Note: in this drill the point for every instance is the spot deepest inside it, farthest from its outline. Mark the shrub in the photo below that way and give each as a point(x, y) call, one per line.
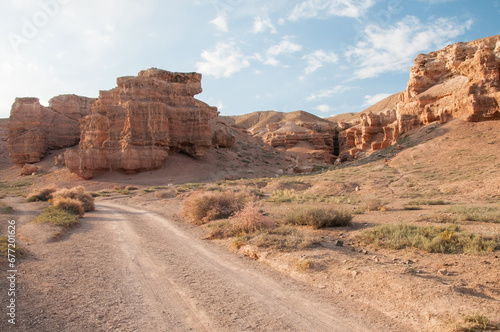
point(303, 265)
point(77, 193)
point(318, 217)
point(71, 205)
point(285, 238)
point(477, 213)
point(5, 209)
point(4, 249)
point(446, 240)
point(374, 204)
point(57, 216)
point(202, 206)
point(428, 202)
point(250, 219)
point(42, 195)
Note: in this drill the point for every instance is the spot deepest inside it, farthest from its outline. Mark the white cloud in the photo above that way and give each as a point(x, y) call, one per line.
point(225, 60)
point(394, 48)
point(261, 24)
point(327, 93)
point(220, 22)
point(372, 100)
point(325, 8)
point(284, 47)
point(323, 108)
point(317, 59)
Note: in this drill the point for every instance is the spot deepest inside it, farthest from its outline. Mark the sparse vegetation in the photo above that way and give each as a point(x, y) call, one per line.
point(427, 202)
point(76, 193)
point(303, 265)
point(202, 207)
point(4, 247)
point(42, 195)
point(475, 322)
point(57, 216)
point(283, 237)
point(477, 213)
point(446, 240)
point(70, 205)
point(318, 217)
point(374, 204)
point(5, 209)
point(250, 219)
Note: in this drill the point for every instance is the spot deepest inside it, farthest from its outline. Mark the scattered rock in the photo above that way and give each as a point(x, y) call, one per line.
point(339, 243)
point(29, 169)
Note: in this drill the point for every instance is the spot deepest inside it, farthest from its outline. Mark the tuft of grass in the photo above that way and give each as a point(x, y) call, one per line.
point(79, 194)
point(284, 196)
point(303, 265)
point(477, 213)
point(283, 238)
point(427, 202)
point(251, 219)
point(318, 217)
point(202, 207)
point(5, 209)
point(475, 322)
point(374, 204)
point(443, 218)
point(70, 205)
point(412, 207)
point(57, 216)
point(42, 195)
point(4, 249)
point(446, 240)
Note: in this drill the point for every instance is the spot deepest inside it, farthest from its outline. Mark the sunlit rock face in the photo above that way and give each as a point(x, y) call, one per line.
point(134, 126)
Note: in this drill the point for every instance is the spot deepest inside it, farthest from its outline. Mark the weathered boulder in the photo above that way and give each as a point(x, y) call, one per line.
point(223, 138)
point(34, 129)
point(29, 169)
point(134, 126)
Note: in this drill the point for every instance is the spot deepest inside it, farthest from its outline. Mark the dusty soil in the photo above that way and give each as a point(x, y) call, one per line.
point(128, 269)
point(134, 265)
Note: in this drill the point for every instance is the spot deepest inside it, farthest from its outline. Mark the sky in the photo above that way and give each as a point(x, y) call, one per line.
point(325, 57)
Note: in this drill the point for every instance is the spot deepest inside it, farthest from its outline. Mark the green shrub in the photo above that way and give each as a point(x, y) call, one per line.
point(318, 217)
point(57, 216)
point(446, 240)
point(202, 207)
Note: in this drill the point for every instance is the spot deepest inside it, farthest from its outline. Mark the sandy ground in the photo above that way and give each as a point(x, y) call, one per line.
point(127, 269)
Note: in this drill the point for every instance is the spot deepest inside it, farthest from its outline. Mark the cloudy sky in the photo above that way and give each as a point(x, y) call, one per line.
point(323, 56)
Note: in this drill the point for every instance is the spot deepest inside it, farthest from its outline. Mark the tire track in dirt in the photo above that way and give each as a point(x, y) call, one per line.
point(190, 286)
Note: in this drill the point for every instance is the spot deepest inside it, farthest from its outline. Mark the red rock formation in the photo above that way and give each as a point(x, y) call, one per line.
point(134, 126)
point(459, 81)
point(34, 129)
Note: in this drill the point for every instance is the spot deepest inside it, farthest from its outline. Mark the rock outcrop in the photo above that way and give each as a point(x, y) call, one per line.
point(299, 133)
point(459, 81)
point(34, 129)
point(134, 126)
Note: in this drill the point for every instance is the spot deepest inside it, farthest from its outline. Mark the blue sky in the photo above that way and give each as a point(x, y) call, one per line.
point(323, 56)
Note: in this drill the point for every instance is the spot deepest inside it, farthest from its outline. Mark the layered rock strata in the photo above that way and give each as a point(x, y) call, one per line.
point(34, 129)
point(134, 126)
point(459, 81)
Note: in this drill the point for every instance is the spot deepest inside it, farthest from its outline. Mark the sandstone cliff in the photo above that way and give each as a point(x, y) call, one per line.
point(459, 81)
point(34, 129)
point(297, 132)
point(134, 126)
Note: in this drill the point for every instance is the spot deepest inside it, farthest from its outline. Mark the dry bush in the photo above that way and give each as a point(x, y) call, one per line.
point(318, 217)
point(77, 193)
point(202, 207)
point(251, 219)
point(41, 195)
point(70, 205)
point(374, 204)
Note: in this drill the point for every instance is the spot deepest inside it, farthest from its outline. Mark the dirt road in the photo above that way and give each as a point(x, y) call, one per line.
point(126, 269)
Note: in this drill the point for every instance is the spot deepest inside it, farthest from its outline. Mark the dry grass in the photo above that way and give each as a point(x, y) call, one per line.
point(56, 216)
point(76, 193)
point(202, 207)
point(4, 249)
point(477, 213)
point(318, 217)
point(446, 240)
point(303, 265)
point(5, 209)
point(474, 322)
point(251, 219)
point(42, 195)
point(70, 205)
